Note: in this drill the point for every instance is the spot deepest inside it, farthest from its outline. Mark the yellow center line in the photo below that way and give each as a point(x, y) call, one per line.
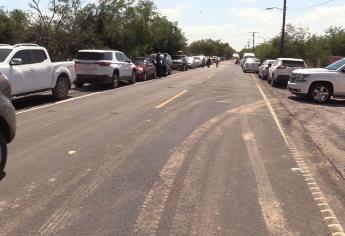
point(171, 99)
point(211, 76)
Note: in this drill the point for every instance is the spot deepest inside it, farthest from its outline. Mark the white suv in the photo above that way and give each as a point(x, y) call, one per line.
point(104, 66)
point(281, 70)
point(319, 84)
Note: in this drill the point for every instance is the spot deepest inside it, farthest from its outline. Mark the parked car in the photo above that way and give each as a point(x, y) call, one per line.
point(7, 119)
point(263, 69)
point(245, 57)
point(251, 65)
point(153, 56)
point(280, 72)
point(145, 68)
point(104, 67)
point(29, 70)
point(198, 61)
point(319, 84)
point(191, 63)
point(179, 62)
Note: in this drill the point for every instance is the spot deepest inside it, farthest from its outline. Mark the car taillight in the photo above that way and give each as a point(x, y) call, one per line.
point(104, 63)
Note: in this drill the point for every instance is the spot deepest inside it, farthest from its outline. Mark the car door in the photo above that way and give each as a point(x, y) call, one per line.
point(149, 67)
point(42, 70)
point(20, 74)
point(122, 65)
point(128, 65)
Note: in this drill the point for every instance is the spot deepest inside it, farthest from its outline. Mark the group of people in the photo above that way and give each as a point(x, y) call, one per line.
point(161, 64)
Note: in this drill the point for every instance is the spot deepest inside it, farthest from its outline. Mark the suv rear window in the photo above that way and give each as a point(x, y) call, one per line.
point(293, 63)
point(4, 54)
point(95, 56)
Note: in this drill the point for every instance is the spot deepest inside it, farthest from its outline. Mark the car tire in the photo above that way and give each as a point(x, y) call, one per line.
point(320, 93)
point(61, 89)
point(78, 84)
point(115, 81)
point(133, 78)
point(3, 153)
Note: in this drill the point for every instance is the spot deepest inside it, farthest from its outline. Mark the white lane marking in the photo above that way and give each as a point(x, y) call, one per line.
point(270, 206)
point(297, 156)
point(171, 99)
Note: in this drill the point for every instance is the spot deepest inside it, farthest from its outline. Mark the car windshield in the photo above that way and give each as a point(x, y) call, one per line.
point(4, 54)
point(336, 65)
point(94, 56)
point(291, 63)
point(139, 61)
point(247, 57)
point(177, 57)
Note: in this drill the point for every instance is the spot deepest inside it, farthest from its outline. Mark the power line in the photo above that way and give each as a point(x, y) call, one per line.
point(312, 6)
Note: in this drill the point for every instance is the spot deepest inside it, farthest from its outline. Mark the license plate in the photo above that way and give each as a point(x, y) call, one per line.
point(87, 67)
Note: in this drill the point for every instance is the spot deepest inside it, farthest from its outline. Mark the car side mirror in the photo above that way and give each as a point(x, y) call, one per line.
point(16, 62)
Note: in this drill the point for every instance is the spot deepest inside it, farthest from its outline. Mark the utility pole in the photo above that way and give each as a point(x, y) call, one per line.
point(248, 43)
point(253, 39)
point(283, 31)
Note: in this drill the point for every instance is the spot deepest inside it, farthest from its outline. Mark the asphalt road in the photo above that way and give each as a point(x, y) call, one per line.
point(205, 152)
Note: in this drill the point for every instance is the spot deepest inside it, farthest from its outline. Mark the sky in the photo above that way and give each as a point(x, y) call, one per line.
point(232, 20)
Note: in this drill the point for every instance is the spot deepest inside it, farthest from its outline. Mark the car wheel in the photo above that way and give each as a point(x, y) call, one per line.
point(78, 84)
point(115, 80)
point(320, 93)
point(3, 153)
point(133, 78)
point(61, 89)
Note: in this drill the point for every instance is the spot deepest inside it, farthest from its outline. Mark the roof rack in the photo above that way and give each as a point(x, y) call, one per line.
point(26, 44)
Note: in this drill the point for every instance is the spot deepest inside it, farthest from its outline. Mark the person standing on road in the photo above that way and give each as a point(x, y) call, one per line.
point(165, 64)
point(184, 62)
point(209, 62)
point(159, 65)
point(217, 63)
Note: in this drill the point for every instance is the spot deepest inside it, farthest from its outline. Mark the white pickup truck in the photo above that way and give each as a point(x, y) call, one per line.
point(29, 70)
point(319, 84)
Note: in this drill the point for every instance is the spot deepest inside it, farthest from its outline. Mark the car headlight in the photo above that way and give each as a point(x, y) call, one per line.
point(301, 78)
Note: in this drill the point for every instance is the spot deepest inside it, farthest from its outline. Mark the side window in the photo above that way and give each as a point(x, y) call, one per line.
point(125, 58)
point(108, 56)
point(24, 55)
point(119, 56)
point(38, 56)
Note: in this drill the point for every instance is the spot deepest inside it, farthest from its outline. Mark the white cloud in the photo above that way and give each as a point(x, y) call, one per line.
point(174, 14)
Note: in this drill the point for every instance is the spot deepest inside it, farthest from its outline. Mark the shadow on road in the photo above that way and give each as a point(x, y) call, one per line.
point(2, 175)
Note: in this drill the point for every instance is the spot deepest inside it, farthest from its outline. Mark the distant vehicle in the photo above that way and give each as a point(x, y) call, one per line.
point(245, 57)
point(104, 67)
point(198, 61)
point(7, 119)
point(29, 70)
point(251, 65)
point(263, 69)
point(179, 62)
point(153, 56)
point(319, 84)
point(215, 59)
point(280, 72)
point(191, 63)
point(145, 68)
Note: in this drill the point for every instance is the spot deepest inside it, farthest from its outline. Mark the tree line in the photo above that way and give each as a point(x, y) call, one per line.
point(134, 27)
point(316, 50)
point(211, 47)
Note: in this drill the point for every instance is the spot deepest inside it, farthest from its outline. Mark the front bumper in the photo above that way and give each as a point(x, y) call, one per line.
point(282, 79)
point(298, 88)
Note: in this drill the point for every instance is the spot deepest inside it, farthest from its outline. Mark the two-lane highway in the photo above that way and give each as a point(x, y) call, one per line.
point(206, 152)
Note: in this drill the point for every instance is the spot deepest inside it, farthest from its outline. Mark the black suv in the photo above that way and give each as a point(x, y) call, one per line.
point(7, 120)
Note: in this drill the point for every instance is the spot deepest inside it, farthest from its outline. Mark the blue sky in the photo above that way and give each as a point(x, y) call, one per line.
point(232, 20)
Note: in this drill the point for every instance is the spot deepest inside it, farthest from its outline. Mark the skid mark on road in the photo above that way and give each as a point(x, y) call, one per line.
point(335, 228)
point(155, 201)
point(270, 206)
point(190, 214)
